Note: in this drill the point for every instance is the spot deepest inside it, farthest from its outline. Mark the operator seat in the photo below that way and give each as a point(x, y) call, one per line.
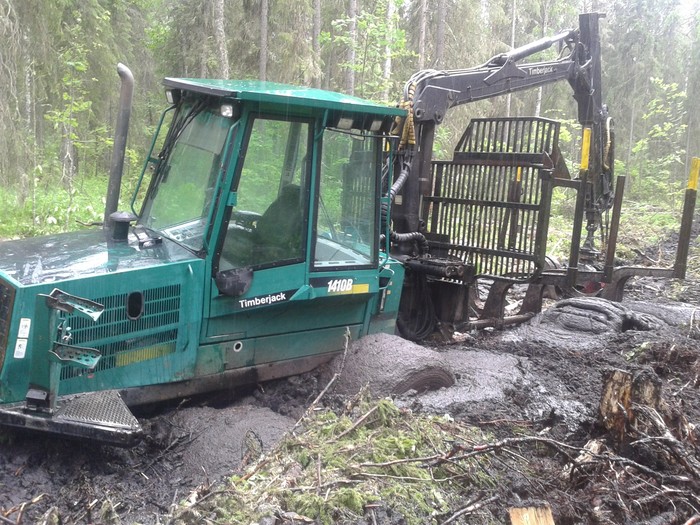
point(278, 233)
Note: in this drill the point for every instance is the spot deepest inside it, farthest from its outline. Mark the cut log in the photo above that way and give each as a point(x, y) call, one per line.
point(531, 516)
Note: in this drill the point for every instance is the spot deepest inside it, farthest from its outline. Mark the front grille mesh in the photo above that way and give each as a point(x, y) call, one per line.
point(123, 341)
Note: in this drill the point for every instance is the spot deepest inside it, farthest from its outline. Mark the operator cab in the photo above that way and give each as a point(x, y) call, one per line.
point(278, 188)
point(260, 175)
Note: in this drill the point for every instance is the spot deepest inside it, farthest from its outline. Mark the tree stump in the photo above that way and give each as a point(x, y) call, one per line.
point(623, 390)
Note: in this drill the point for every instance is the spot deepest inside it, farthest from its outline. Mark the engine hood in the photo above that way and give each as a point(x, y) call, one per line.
point(66, 256)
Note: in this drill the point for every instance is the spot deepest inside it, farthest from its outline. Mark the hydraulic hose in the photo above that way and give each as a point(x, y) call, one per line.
point(396, 187)
point(416, 319)
point(406, 132)
point(401, 179)
point(418, 237)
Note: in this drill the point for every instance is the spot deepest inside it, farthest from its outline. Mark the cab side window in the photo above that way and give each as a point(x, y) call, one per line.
point(268, 223)
point(347, 217)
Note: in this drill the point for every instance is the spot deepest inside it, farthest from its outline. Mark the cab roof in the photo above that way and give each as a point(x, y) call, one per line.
point(284, 94)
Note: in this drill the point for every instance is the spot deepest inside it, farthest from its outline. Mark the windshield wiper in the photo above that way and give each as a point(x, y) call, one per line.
point(171, 138)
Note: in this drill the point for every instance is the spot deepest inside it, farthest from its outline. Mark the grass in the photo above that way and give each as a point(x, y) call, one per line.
point(45, 210)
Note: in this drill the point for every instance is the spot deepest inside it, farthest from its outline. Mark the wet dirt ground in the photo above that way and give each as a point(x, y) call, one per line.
point(545, 376)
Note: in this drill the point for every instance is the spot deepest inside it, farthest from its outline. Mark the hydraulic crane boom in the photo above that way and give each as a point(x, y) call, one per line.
point(429, 94)
point(438, 91)
point(578, 62)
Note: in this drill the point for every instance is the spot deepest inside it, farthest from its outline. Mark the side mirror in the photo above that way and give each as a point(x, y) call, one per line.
point(234, 282)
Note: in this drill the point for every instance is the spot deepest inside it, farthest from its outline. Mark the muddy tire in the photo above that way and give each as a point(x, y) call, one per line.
point(594, 315)
point(583, 323)
point(432, 378)
point(390, 365)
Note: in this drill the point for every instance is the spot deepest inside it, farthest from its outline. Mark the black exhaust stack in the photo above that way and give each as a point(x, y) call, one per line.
point(118, 152)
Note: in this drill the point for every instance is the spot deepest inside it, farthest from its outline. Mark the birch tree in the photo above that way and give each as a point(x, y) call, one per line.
point(351, 51)
point(221, 42)
point(262, 65)
point(316, 44)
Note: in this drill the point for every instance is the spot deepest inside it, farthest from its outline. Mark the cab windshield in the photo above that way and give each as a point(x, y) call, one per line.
point(179, 201)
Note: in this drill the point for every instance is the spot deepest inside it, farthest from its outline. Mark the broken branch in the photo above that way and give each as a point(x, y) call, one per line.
point(471, 507)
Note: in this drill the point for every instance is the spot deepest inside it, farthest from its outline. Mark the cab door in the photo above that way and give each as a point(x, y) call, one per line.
point(297, 260)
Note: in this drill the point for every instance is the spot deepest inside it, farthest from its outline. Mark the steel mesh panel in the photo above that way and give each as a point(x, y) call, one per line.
point(514, 135)
point(488, 202)
point(105, 408)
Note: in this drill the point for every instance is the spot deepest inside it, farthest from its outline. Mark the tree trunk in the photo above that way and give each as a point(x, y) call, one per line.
point(316, 44)
point(28, 116)
point(352, 33)
point(622, 393)
point(10, 64)
point(387, 51)
point(440, 37)
point(262, 65)
point(68, 168)
point(512, 46)
point(630, 140)
point(423, 21)
point(207, 16)
point(538, 100)
point(220, 33)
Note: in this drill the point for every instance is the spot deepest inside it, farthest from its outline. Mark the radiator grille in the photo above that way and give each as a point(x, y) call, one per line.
point(123, 341)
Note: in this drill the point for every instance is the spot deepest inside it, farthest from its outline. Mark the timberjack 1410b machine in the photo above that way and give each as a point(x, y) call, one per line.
point(263, 233)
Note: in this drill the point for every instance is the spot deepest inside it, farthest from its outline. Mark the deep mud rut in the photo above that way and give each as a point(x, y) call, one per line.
point(544, 377)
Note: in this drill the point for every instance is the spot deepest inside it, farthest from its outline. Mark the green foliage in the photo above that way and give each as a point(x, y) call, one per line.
point(70, 117)
point(371, 454)
point(559, 237)
point(662, 179)
point(43, 212)
point(60, 87)
point(378, 36)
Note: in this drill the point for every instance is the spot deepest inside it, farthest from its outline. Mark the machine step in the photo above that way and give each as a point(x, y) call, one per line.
point(101, 416)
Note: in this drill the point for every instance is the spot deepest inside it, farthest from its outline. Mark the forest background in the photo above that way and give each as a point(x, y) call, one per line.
point(59, 88)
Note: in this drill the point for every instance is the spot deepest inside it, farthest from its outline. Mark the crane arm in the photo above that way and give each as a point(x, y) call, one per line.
point(435, 92)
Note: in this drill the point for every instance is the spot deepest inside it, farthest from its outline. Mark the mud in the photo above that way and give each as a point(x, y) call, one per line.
point(545, 377)
point(388, 365)
point(186, 447)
